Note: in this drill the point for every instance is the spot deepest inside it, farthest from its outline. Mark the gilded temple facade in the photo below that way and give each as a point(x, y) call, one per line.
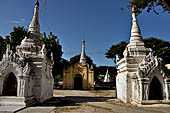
point(79, 76)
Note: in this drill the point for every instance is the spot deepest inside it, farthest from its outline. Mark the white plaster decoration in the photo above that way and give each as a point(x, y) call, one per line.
point(148, 64)
point(83, 54)
point(35, 26)
point(107, 77)
point(27, 66)
point(43, 51)
point(135, 31)
point(21, 87)
point(26, 70)
point(137, 69)
point(136, 38)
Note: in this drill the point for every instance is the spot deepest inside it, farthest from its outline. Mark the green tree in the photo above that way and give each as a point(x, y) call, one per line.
point(14, 39)
point(150, 5)
point(160, 48)
point(16, 36)
point(65, 63)
point(2, 47)
point(53, 46)
point(116, 50)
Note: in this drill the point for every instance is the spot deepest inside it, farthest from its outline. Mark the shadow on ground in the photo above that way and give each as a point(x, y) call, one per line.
point(72, 101)
point(72, 98)
point(69, 101)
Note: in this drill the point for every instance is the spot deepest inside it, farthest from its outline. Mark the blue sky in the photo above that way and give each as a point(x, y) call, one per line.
point(102, 22)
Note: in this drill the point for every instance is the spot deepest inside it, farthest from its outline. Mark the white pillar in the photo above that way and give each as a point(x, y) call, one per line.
point(1, 84)
point(167, 89)
point(21, 87)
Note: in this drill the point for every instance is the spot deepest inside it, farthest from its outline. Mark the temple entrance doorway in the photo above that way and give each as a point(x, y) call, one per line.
point(78, 82)
point(155, 90)
point(10, 85)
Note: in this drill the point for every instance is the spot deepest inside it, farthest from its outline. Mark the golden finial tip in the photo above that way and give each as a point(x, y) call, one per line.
point(133, 10)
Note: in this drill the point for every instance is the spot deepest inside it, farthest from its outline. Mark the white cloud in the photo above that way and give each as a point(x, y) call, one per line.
point(17, 21)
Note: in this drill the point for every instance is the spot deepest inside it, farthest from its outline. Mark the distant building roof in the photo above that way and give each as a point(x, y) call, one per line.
point(168, 66)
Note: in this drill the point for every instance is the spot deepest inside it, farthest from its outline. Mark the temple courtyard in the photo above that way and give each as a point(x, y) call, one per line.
point(94, 101)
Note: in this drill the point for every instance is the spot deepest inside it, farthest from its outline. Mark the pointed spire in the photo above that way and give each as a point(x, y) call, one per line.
point(135, 31)
point(107, 72)
point(32, 45)
point(83, 54)
point(107, 77)
point(34, 25)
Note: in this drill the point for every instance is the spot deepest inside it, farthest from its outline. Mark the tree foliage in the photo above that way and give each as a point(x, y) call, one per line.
point(53, 46)
point(65, 63)
point(16, 36)
point(14, 39)
point(2, 47)
point(116, 50)
point(160, 48)
point(150, 5)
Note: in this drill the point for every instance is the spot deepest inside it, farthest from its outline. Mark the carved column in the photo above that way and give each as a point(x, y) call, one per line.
point(1, 84)
point(167, 89)
point(140, 93)
point(145, 88)
point(21, 87)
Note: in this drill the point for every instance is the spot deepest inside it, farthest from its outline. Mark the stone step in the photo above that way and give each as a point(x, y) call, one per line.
point(147, 102)
point(10, 109)
point(38, 64)
point(12, 101)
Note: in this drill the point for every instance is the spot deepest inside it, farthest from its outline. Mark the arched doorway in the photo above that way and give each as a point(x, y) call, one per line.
point(10, 85)
point(155, 90)
point(78, 82)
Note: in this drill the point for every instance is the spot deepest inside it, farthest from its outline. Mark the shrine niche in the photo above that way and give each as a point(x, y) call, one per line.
point(78, 82)
point(10, 85)
point(155, 90)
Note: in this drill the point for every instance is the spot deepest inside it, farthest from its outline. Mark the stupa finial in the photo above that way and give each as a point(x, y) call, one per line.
point(135, 31)
point(34, 25)
point(83, 54)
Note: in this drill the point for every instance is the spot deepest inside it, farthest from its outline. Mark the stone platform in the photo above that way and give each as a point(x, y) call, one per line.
point(153, 103)
point(11, 103)
point(9, 109)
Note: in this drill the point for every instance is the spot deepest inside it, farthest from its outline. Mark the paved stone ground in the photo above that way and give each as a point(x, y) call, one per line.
point(71, 101)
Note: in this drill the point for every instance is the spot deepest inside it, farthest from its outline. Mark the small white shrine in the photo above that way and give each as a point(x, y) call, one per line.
point(142, 78)
point(107, 77)
point(26, 75)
